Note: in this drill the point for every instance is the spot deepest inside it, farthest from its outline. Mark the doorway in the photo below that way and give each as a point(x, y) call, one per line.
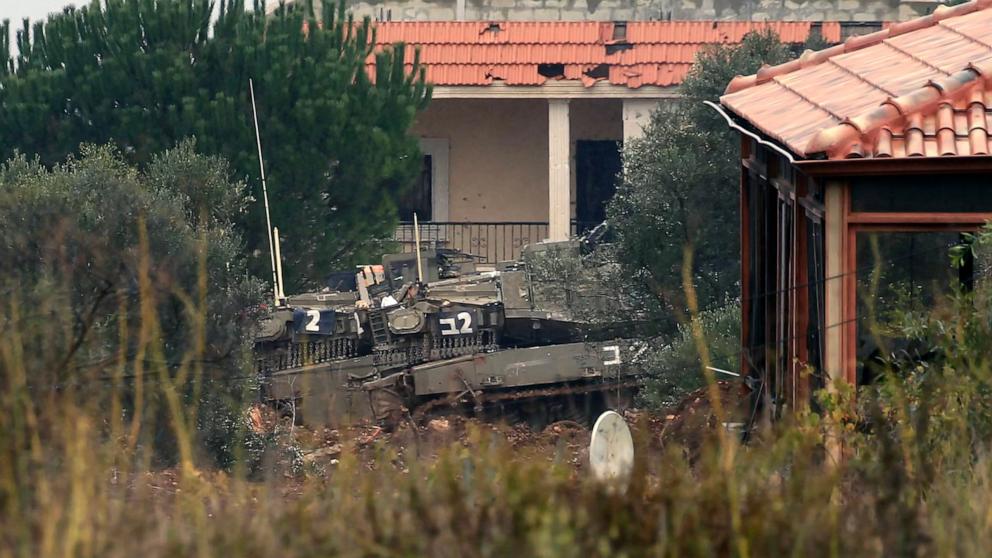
point(597, 165)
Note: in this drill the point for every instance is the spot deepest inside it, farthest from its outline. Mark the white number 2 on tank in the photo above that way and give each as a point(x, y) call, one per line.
point(313, 320)
point(459, 325)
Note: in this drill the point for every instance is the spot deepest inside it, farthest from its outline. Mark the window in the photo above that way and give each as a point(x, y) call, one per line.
point(925, 193)
point(900, 274)
point(428, 197)
point(783, 284)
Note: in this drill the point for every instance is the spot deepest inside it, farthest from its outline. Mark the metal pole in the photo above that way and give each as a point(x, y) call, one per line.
point(721, 371)
point(280, 295)
point(265, 196)
point(416, 241)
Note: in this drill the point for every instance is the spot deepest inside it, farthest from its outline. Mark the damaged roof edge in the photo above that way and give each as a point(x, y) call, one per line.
point(635, 54)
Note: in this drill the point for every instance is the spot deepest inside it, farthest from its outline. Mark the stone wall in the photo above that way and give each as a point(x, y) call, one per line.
point(633, 10)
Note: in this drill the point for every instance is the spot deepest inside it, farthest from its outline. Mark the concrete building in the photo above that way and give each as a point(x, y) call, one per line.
point(522, 140)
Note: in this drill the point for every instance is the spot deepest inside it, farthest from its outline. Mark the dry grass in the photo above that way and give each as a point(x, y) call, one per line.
point(82, 474)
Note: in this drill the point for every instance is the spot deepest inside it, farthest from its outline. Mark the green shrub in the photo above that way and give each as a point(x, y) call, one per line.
point(126, 280)
point(675, 368)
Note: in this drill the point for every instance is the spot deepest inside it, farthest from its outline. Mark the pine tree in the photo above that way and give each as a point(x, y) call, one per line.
point(146, 74)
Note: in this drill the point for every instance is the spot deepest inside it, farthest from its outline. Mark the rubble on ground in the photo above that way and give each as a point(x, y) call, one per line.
point(563, 442)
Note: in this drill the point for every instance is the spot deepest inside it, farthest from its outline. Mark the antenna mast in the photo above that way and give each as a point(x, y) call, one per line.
point(416, 240)
point(276, 287)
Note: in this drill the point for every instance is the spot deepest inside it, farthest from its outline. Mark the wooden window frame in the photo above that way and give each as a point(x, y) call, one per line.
point(784, 298)
point(857, 222)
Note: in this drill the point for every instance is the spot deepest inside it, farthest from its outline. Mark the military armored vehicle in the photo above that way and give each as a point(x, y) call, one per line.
point(433, 332)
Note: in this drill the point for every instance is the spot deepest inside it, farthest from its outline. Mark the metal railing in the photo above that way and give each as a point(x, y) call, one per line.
point(491, 242)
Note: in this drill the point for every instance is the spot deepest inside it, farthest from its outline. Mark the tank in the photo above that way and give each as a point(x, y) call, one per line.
point(416, 336)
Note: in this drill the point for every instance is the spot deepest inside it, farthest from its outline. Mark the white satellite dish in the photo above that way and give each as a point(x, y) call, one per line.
point(611, 450)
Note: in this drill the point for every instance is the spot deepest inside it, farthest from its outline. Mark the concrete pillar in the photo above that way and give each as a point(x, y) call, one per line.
point(559, 173)
point(460, 10)
point(636, 116)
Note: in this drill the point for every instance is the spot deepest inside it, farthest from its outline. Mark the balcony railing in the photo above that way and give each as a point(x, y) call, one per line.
point(491, 242)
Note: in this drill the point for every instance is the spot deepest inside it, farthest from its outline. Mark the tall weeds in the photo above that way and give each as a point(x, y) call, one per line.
point(103, 450)
point(77, 478)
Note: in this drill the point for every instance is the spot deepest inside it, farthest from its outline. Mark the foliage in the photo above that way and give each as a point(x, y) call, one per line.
point(674, 215)
point(575, 280)
point(145, 75)
point(914, 477)
point(816, 41)
point(678, 195)
point(944, 385)
point(676, 368)
point(716, 65)
point(676, 200)
point(116, 277)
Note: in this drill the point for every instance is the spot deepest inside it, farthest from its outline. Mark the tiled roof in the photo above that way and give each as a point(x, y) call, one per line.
point(921, 88)
point(635, 54)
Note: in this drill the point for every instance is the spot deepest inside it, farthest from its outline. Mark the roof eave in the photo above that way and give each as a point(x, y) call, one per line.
point(839, 168)
point(555, 89)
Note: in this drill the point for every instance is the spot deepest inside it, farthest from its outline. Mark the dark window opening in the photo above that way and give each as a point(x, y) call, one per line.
point(923, 193)
point(815, 289)
point(784, 290)
point(784, 298)
point(551, 70)
point(419, 198)
point(620, 31)
point(850, 29)
point(761, 252)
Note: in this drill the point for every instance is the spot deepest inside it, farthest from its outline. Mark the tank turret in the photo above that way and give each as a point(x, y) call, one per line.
point(399, 341)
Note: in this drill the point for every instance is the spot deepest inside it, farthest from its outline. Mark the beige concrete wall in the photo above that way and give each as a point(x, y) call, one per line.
point(633, 10)
point(498, 157)
point(498, 152)
point(597, 119)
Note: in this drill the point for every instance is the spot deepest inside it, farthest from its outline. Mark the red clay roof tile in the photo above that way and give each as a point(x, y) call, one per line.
point(921, 88)
point(657, 53)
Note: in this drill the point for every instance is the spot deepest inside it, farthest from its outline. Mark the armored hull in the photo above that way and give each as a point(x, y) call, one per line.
point(406, 343)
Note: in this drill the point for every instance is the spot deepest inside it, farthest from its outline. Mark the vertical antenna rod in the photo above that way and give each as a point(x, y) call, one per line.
point(280, 295)
point(265, 195)
point(416, 240)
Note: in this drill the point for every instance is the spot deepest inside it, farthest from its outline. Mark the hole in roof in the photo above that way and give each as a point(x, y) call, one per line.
point(618, 47)
point(852, 28)
point(602, 71)
point(619, 30)
point(551, 70)
point(493, 27)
